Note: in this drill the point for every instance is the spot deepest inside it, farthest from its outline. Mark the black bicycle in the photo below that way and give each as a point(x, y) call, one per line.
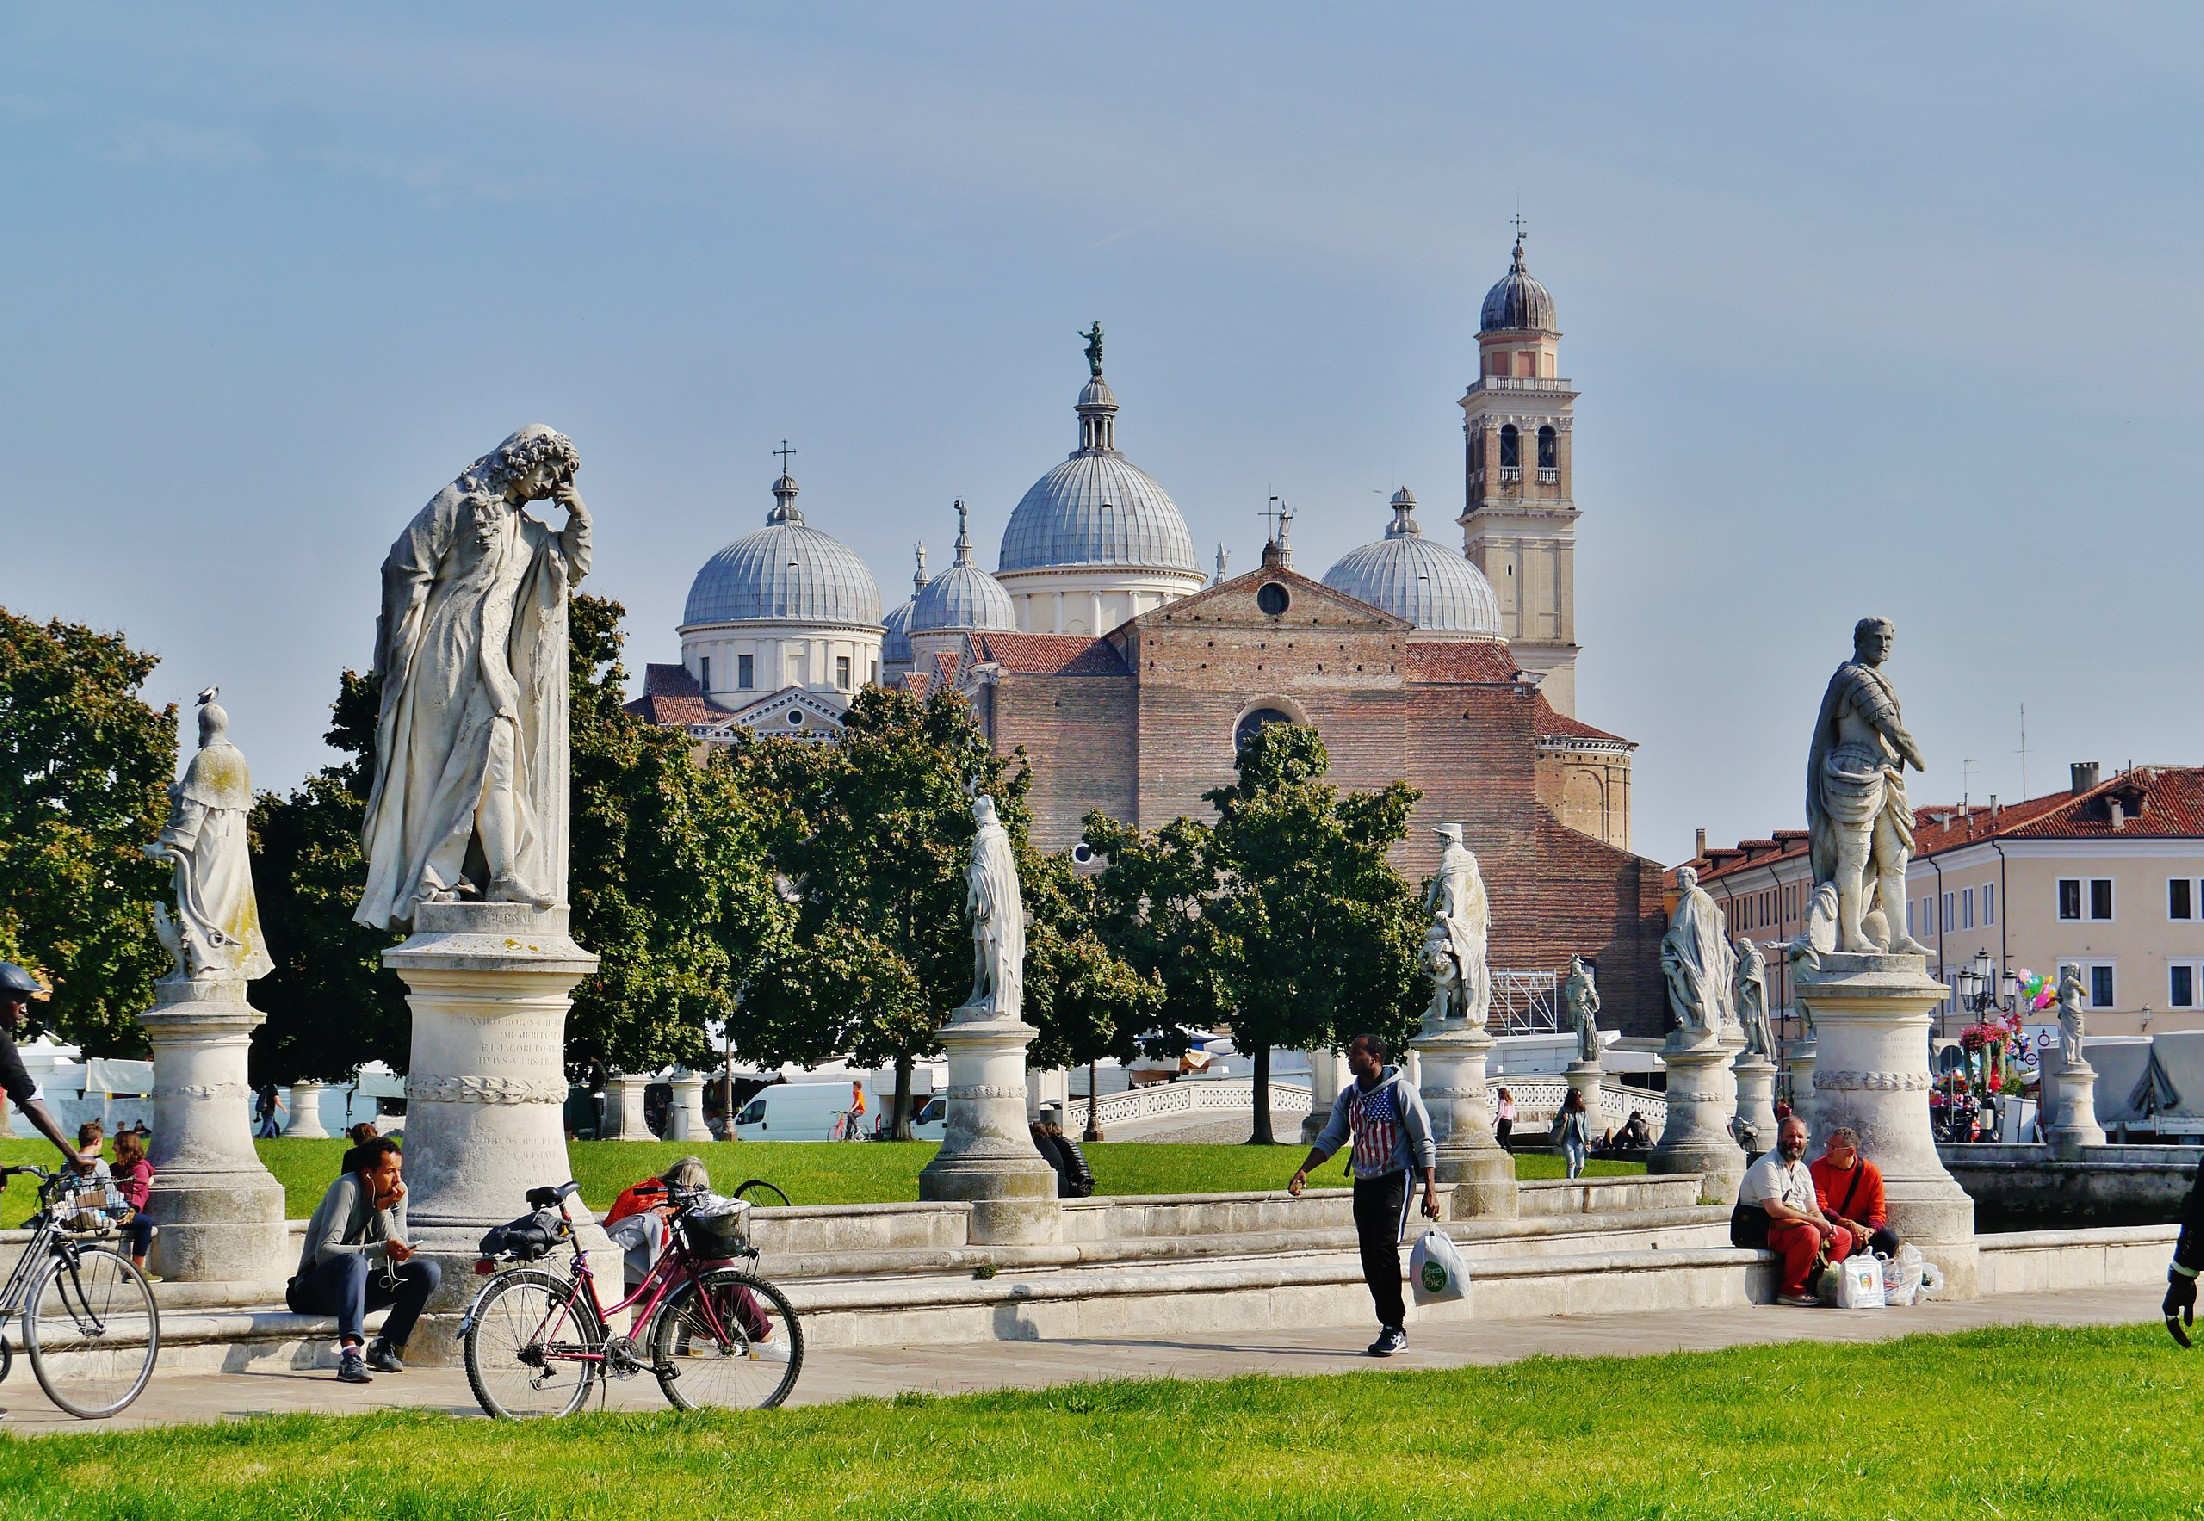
point(90, 1327)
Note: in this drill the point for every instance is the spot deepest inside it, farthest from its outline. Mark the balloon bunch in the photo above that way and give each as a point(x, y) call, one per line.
point(2037, 992)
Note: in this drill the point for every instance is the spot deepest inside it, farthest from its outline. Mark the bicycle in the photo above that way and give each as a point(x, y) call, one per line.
point(90, 1327)
point(538, 1342)
point(760, 1189)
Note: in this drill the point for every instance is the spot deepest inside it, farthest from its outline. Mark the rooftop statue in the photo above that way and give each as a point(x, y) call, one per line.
point(216, 928)
point(1580, 998)
point(1697, 960)
point(1856, 813)
point(1461, 928)
point(1752, 999)
point(998, 919)
point(1093, 335)
point(471, 744)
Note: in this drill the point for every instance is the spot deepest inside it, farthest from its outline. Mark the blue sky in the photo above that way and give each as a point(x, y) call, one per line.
point(1891, 310)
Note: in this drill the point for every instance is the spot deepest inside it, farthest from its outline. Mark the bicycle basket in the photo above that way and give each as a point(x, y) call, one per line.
point(530, 1238)
point(717, 1227)
point(90, 1207)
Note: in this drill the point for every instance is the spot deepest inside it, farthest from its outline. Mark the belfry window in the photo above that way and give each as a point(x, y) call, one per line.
point(1546, 448)
point(1511, 448)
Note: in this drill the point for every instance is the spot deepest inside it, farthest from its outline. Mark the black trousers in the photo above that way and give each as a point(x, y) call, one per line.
point(349, 1286)
point(1381, 1214)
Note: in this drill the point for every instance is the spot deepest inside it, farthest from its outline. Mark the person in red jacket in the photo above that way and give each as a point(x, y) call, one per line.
point(134, 1180)
point(1849, 1189)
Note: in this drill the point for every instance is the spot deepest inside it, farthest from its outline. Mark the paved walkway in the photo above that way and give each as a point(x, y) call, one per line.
point(842, 1373)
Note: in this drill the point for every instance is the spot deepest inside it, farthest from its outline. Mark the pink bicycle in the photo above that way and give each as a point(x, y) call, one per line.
point(715, 1335)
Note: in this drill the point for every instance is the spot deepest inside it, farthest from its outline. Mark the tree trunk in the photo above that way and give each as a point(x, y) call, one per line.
point(1262, 1135)
point(902, 1130)
point(1094, 1111)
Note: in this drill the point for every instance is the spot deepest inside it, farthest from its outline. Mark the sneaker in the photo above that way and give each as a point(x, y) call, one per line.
point(352, 1368)
point(1799, 1301)
point(383, 1357)
point(775, 1351)
point(1390, 1340)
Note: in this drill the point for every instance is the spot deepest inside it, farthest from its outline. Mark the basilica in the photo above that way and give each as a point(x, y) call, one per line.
point(1128, 678)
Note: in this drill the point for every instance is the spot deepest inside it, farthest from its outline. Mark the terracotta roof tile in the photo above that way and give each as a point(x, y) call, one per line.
point(672, 699)
point(1050, 654)
point(1472, 661)
point(1549, 724)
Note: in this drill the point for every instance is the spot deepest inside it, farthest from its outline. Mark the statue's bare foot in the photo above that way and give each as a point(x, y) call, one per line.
point(1903, 946)
point(511, 889)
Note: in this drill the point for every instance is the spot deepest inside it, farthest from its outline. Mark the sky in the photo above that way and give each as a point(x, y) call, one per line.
point(1887, 309)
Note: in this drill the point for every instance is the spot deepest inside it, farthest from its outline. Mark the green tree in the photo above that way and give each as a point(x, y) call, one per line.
point(1088, 1002)
point(85, 764)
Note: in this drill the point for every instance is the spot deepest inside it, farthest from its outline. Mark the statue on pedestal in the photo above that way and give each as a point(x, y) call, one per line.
point(1861, 829)
point(2070, 1016)
point(1580, 1000)
point(471, 745)
point(998, 919)
point(1697, 961)
point(1461, 928)
point(1752, 999)
point(215, 931)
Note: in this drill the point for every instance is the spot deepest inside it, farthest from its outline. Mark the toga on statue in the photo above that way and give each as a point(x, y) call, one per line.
point(1752, 999)
point(1856, 813)
point(1697, 960)
point(471, 744)
point(1580, 997)
point(216, 928)
point(998, 919)
point(1461, 916)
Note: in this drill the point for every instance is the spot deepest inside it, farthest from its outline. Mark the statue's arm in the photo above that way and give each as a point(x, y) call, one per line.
point(181, 832)
point(574, 539)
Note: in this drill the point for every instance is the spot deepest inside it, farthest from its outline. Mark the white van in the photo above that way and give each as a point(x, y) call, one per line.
point(797, 1112)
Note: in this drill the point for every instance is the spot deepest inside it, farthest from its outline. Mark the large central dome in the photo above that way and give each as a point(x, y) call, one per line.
point(786, 572)
point(1097, 507)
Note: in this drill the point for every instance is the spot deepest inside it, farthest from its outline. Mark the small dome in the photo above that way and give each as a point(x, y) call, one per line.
point(963, 596)
point(786, 572)
point(1518, 302)
point(1407, 575)
point(1097, 507)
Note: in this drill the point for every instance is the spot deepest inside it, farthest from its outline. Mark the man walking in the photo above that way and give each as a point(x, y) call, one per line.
point(1385, 1116)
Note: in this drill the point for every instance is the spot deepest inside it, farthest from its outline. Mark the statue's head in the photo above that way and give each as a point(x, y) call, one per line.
point(1871, 639)
point(1745, 947)
point(214, 724)
point(983, 809)
point(538, 459)
point(1451, 833)
point(1578, 966)
point(1686, 879)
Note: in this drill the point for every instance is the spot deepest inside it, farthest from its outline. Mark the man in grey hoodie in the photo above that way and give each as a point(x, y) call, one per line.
point(1385, 1116)
point(357, 1259)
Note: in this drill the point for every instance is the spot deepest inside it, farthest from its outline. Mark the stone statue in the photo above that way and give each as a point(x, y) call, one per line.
point(998, 919)
point(1752, 999)
point(471, 745)
point(1697, 960)
point(1856, 813)
point(2070, 1016)
point(1580, 997)
point(216, 928)
point(1093, 335)
point(1462, 915)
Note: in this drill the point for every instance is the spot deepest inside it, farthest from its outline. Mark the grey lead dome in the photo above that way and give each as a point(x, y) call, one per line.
point(1097, 507)
point(1410, 577)
point(786, 572)
point(1518, 303)
point(963, 596)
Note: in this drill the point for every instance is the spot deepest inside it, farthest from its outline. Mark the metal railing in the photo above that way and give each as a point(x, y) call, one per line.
point(1538, 1100)
point(1232, 1095)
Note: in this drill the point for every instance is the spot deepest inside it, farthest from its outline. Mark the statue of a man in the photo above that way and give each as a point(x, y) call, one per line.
point(2070, 1015)
point(471, 745)
point(998, 918)
point(1856, 813)
point(1460, 908)
point(216, 928)
point(1093, 335)
point(1752, 999)
point(1697, 960)
point(1580, 997)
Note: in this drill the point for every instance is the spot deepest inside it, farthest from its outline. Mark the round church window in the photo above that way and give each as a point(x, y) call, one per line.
point(1273, 598)
point(1261, 718)
point(795, 718)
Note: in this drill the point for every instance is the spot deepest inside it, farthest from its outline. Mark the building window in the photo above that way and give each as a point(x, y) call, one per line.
point(1989, 904)
point(2100, 898)
point(841, 672)
point(2181, 984)
point(746, 667)
point(1966, 908)
point(2070, 898)
point(1547, 453)
point(1945, 923)
point(2100, 986)
point(2180, 898)
point(1910, 931)
point(1273, 598)
point(875, 678)
point(1511, 448)
point(1254, 723)
point(704, 674)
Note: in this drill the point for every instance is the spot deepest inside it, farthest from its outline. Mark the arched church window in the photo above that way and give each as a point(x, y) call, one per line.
point(1254, 723)
point(1273, 598)
point(1546, 447)
point(1511, 448)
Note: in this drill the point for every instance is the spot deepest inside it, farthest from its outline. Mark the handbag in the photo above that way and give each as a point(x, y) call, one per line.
point(1748, 1226)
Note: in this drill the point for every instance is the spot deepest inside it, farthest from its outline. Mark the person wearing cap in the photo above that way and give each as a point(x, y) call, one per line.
point(17, 989)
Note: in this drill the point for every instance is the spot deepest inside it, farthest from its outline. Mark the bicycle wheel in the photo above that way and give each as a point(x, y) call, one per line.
point(533, 1346)
point(91, 1331)
point(765, 1193)
point(705, 1355)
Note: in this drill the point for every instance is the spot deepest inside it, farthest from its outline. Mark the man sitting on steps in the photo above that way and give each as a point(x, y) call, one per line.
point(357, 1259)
point(1797, 1229)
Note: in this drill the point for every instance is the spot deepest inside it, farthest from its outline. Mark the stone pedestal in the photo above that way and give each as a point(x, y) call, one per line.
point(987, 1156)
point(1733, 1046)
point(685, 1119)
point(306, 1122)
point(2074, 1122)
point(1871, 1017)
point(220, 1212)
point(1697, 1137)
point(1453, 1056)
point(1324, 1081)
point(1755, 1079)
point(1583, 1078)
point(486, 1087)
point(624, 1119)
point(1798, 1061)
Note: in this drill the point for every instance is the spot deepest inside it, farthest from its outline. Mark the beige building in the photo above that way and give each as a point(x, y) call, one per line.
point(2107, 877)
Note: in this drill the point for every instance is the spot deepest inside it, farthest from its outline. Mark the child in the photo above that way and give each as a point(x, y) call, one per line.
point(134, 1177)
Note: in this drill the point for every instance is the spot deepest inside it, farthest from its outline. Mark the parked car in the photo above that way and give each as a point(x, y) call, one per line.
point(930, 1123)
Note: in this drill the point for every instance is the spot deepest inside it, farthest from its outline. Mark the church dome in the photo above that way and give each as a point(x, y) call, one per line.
point(1407, 575)
point(1518, 302)
point(786, 572)
point(1097, 507)
point(963, 596)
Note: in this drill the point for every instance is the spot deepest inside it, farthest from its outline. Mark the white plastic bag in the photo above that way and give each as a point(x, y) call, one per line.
point(1932, 1280)
point(1902, 1276)
point(1436, 1270)
point(1860, 1284)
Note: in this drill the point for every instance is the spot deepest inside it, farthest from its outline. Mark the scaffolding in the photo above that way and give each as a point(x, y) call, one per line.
point(1524, 1003)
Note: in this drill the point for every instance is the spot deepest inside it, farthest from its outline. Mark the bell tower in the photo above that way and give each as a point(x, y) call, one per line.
point(1519, 515)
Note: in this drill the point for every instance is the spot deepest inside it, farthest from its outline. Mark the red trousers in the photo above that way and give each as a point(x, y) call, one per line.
point(1798, 1243)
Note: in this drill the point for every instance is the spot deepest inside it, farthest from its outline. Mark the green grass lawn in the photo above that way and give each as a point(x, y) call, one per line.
point(1999, 1424)
point(818, 1172)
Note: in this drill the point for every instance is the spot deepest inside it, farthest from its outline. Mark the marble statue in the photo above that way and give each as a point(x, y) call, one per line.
point(1697, 960)
point(471, 744)
point(1580, 998)
point(1856, 813)
point(1752, 999)
point(215, 931)
point(2070, 1016)
point(1093, 335)
point(1461, 914)
point(998, 918)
